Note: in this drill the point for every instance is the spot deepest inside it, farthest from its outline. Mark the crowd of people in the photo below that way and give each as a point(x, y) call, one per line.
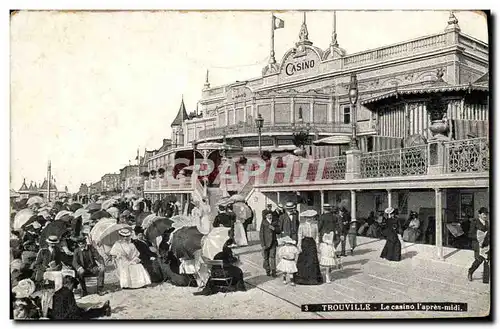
point(57, 246)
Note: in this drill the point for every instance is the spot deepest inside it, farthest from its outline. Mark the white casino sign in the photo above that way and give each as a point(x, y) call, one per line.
point(305, 64)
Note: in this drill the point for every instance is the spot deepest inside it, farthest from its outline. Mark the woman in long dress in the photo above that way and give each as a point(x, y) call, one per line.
point(126, 257)
point(205, 210)
point(412, 232)
point(240, 237)
point(392, 248)
point(308, 271)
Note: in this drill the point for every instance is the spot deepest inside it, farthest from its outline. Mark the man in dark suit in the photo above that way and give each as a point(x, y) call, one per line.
point(482, 241)
point(278, 212)
point(269, 208)
point(343, 220)
point(88, 262)
point(64, 305)
point(327, 223)
point(248, 221)
point(269, 229)
point(289, 222)
point(50, 255)
point(222, 218)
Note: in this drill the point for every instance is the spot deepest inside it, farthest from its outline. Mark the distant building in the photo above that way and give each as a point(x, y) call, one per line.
point(110, 183)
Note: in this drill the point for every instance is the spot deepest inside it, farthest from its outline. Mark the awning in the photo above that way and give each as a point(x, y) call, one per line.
point(217, 146)
point(437, 88)
point(333, 140)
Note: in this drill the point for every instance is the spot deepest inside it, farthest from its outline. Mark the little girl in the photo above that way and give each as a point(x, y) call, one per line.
point(328, 258)
point(287, 255)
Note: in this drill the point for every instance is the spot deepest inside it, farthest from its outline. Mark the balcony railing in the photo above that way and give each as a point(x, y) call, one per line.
point(469, 155)
point(412, 161)
point(164, 184)
point(333, 127)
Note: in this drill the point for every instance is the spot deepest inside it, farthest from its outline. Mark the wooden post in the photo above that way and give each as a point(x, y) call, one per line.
point(278, 197)
point(389, 198)
point(439, 224)
point(322, 200)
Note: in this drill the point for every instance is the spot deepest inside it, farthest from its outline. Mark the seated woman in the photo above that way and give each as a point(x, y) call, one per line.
point(412, 232)
point(229, 270)
point(64, 306)
point(126, 258)
point(375, 229)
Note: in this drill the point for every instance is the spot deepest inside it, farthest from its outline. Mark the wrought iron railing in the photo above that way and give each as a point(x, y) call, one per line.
point(242, 128)
point(469, 155)
point(411, 161)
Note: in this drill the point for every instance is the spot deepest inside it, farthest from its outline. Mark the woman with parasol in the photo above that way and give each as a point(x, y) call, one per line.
point(126, 258)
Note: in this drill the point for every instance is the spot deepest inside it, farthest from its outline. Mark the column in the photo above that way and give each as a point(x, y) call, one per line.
point(273, 110)
point(182, 204)
point(226, 115)
point(330, 111)
point(245, 112)
point(353, 205)
point(254, 116)
point(311, 111)
point(278, 197)
point(292, 110)
point(439, 224)
point(389, 198)
point(322, 199)
point(234, 113)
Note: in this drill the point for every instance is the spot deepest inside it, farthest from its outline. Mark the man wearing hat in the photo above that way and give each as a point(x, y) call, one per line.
point(269, 209)
point(269, 229)
point(88, 262)
point(482, 244)
point(327, 223)
point(343, 225)
point(50, 256)
point(289, 222)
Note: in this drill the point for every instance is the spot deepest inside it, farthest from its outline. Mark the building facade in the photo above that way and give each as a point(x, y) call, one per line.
point(111, 183)
point(420, 124)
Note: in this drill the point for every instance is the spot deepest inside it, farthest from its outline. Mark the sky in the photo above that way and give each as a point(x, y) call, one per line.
point(88, 89)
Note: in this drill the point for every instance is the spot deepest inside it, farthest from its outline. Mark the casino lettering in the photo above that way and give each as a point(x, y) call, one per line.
point(291, 68)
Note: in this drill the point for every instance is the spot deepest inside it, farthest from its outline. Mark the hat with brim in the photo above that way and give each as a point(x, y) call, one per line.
point(53, 239)
point(280, 205)
point(290, 205)
point(286, 239)
point(309, 213)
point(327, 206)
point(124, 232)
point(389, 210)
point(483, 210)
point(24, 288)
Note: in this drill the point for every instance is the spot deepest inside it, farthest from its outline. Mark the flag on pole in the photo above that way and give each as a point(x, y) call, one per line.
point(278, 23)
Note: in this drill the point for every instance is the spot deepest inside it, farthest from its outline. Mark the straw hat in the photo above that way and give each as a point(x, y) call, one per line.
point(290, 205)
point(389, 210)
point(280, 205)
point(24, 288)
point(124, 232)
point(286, 239)
point(327, 206)
point(309, 213)
point(53, 239)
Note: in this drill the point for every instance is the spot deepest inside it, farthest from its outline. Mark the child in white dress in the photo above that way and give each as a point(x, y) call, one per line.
point(328, 258)
point(287, 255)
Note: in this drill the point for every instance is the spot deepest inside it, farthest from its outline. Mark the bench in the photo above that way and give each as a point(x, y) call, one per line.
point(223, 282)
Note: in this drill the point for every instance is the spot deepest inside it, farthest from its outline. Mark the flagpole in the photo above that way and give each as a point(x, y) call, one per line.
point(272, 60)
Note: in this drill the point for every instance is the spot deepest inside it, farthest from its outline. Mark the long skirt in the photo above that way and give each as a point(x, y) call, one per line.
point(239, 234)
point(133, 276)
point(308, 271)
point(392, 248)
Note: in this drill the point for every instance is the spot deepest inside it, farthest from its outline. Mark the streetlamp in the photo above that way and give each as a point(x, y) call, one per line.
point(353, 98)
point(259, 123)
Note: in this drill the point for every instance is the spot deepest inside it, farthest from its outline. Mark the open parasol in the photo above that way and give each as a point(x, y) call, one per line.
point(182, 221)
point(237, 198)
point(75, 206)
point(56, 228)
point(185, 241)
point(100, 227)
point(108, 204)
point(142, 217)
point(99, 214)
point(213, 242)
point(21, 218)
point(34, 200)
point(94, 206)
point(242, 211)
point(110, 235)
point(63, 215)
point(157, 226)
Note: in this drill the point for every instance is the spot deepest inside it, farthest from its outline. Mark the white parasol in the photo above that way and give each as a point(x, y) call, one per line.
point(22, 218)
point(34, 200)
point(63, 213)
point(213, 242)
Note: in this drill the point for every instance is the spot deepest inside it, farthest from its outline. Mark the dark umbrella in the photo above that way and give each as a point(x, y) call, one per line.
point(94, 207)
point(56, 228)
point(100, 214)
point(140, 218)
point(74, 207)
point(157, 227)
point(22, 204)
point(185, 241)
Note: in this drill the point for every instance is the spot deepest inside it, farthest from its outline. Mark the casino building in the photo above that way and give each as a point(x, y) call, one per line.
point(419, 122)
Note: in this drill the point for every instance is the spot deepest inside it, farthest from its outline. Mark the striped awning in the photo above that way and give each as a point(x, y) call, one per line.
point(438, 88)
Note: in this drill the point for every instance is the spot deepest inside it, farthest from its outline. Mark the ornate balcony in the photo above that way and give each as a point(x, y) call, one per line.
point(241, 129)
point(467, 156)
point(411, 161)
